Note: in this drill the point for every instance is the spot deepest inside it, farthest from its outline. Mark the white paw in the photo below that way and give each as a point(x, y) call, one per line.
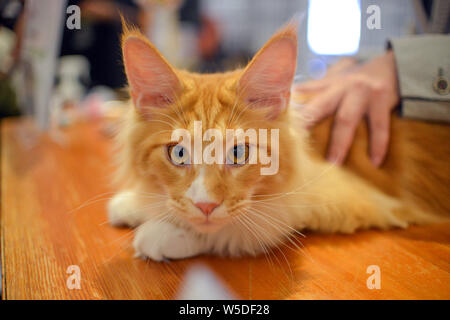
point(163, 240)
point(123, 210)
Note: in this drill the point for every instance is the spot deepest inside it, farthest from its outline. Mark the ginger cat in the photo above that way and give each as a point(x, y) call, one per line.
point(182, 208)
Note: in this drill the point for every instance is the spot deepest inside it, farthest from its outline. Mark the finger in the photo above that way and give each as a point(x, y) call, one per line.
point(312, 85)
point(322, 105)
point(347, 117)
point(379, 124)
point(342, 65)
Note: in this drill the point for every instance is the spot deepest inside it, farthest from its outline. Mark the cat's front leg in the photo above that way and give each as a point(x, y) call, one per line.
point(125, 209)
point(163, 240)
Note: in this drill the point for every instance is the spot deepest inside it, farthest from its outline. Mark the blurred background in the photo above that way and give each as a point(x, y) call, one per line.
point(60, 59)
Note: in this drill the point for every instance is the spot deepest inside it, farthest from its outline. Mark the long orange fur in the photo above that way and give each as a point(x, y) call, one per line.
point(411, 187)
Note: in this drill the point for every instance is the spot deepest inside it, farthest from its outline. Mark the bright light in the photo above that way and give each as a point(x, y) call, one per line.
point(334, 27)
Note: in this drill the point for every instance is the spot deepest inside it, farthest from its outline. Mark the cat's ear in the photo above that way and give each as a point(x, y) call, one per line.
point(266, 81)
point(152, 81)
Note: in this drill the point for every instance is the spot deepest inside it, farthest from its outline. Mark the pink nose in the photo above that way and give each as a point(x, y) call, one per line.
point(206, 207)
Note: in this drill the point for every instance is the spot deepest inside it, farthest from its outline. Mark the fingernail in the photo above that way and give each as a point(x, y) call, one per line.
point(334, 158)
point(376, 160)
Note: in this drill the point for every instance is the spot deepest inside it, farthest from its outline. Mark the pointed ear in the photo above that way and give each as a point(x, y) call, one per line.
point(266, 81)
point(152, 81)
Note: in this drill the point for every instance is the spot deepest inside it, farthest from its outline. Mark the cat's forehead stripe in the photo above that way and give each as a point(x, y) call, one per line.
point(208, 98)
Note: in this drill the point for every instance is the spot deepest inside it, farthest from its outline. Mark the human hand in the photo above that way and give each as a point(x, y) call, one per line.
point(368, 90)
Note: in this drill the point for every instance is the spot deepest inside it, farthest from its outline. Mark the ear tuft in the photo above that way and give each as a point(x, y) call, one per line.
point(267, 80)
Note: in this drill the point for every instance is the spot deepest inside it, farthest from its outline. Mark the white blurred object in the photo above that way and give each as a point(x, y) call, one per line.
point(201, 284)
point(71, 70)
point(164, 29)
point(7, 40)
point(334, 27)
point(43, 26)
point(69, 92)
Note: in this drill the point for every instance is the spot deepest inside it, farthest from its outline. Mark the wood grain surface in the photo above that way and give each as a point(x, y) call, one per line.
point(53, 198)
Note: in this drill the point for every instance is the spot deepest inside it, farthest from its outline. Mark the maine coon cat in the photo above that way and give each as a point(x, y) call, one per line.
point(182, 209)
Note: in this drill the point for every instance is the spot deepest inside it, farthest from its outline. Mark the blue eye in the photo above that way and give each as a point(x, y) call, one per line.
point(238, 155)
point(178, 155)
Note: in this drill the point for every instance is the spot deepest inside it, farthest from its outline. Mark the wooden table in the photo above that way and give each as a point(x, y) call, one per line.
point(49, 224)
